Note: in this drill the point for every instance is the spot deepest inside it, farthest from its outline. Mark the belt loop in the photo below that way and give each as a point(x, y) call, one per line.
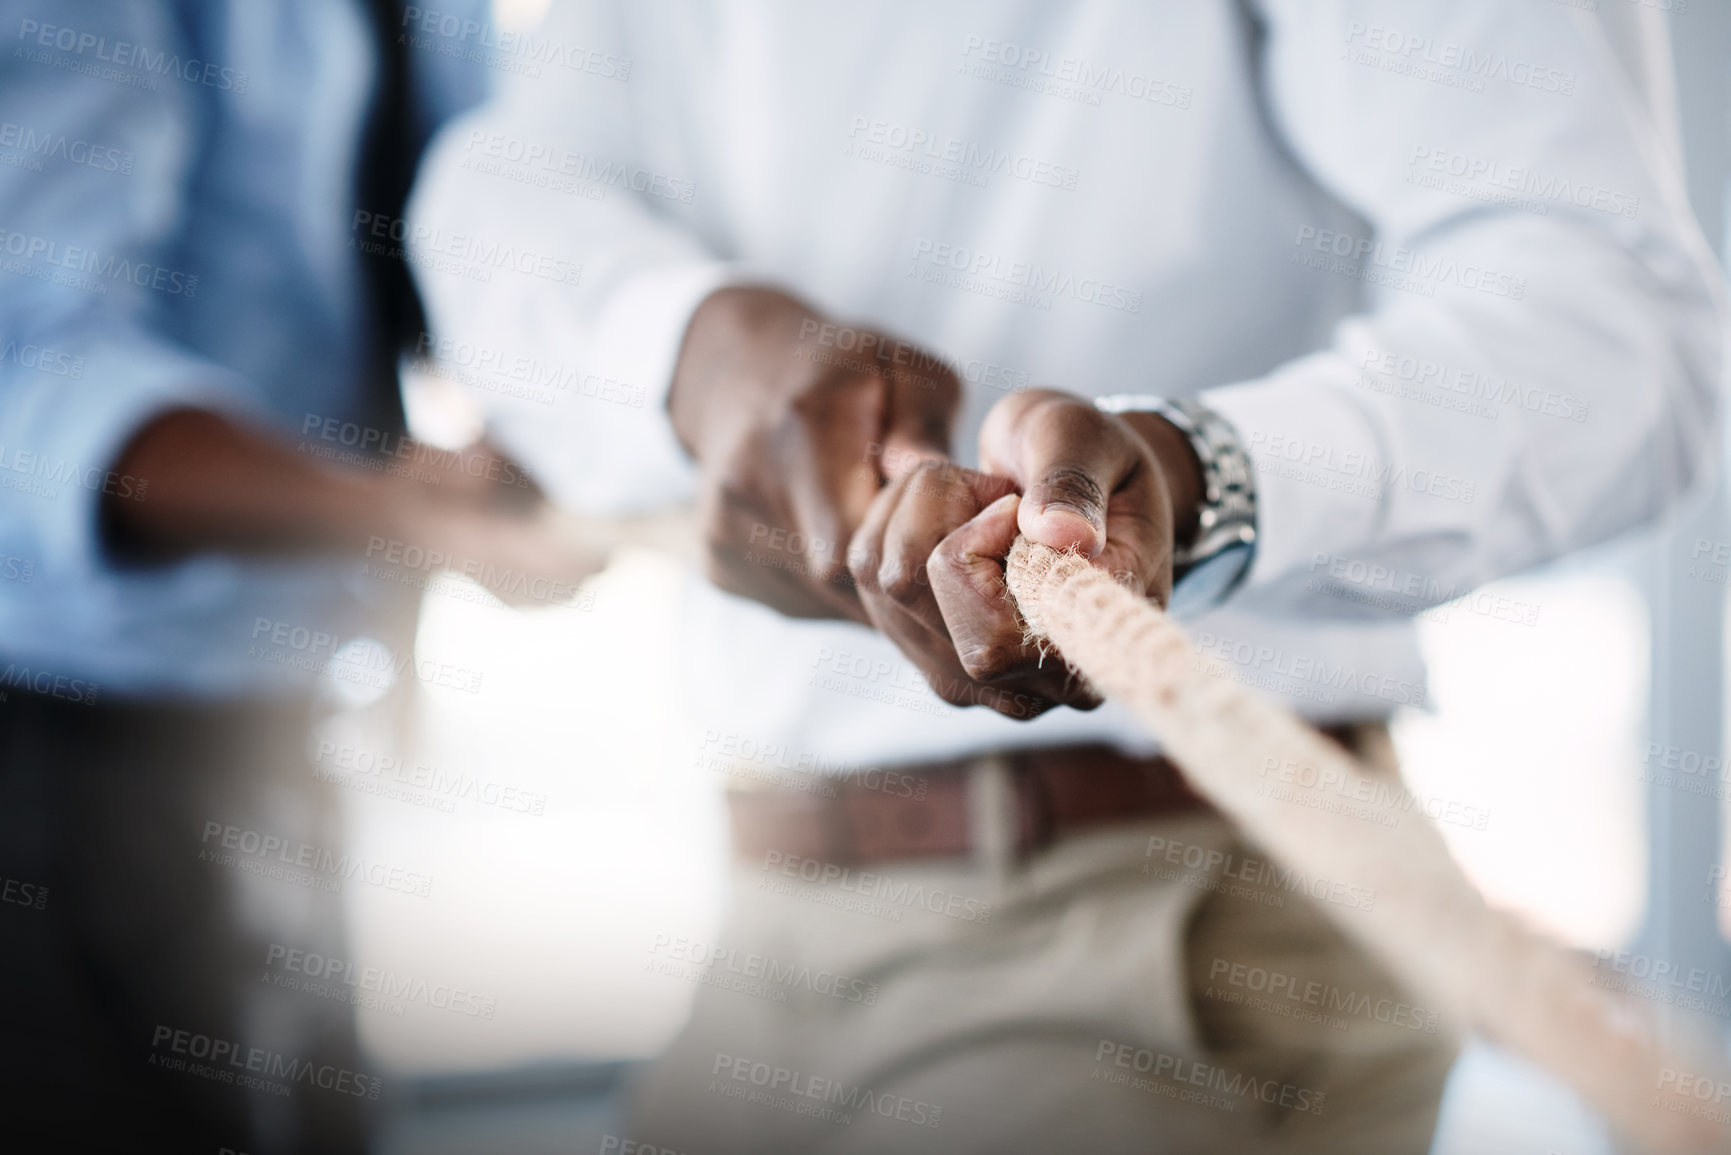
point(994, 818)
point(841, 840)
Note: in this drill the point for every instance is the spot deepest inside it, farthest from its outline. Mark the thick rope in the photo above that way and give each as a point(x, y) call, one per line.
point(1428, 924)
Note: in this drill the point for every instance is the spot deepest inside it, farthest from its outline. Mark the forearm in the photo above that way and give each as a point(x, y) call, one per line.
point(213, 484)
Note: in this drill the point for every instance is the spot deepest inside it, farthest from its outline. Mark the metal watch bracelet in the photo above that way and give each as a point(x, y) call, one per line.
point(1226, 519)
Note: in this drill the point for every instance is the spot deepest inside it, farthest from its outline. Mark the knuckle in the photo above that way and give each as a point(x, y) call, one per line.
point(990, 661)
point(839, 576)
point(805, 414)
point(929, 479)
point(862, 566)
point(899, 580)
point(944, 567)
point(824, 569)
point(932, 470)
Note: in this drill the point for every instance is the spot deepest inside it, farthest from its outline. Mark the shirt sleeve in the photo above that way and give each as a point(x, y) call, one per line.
point(570, 370)
point(1535, 366)
point(90, 196)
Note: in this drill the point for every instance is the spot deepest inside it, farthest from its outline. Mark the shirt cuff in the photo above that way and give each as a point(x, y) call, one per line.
point(1316, 458)
point(637, 338)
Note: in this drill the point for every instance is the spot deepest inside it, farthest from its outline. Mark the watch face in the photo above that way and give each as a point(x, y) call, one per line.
point(1206, 584)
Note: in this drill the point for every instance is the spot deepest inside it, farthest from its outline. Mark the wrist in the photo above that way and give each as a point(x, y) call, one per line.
point(737, 334)
point(1185, 484)
point(1216, 547)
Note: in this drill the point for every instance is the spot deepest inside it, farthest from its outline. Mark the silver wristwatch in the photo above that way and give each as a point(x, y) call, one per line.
point(1214, 564)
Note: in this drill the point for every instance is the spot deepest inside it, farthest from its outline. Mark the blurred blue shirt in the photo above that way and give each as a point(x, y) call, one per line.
point(177, 227)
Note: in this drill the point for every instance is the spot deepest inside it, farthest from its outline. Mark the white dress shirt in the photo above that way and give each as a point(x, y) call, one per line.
point(1431, 259)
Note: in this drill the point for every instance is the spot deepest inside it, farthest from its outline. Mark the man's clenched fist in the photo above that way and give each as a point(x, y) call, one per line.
point(929, 557)
point(797, 424)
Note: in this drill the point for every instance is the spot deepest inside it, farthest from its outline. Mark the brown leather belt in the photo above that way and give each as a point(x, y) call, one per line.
point(923, 811)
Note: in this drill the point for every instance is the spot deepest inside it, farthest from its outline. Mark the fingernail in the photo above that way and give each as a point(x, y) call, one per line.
point(1064, 526)
point(1069, 510)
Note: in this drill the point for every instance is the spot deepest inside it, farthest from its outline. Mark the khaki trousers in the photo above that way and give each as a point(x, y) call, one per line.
point(1153, 987)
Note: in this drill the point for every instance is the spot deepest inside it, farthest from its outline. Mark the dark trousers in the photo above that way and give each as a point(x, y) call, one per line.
point(139, 1007)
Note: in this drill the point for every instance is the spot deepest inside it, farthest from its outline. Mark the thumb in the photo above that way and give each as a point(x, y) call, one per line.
point(1062, 453)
